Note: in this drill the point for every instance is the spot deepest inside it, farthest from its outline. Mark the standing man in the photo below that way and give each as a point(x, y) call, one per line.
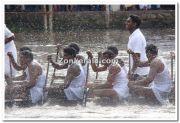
point(136, 44)
point(9, 47)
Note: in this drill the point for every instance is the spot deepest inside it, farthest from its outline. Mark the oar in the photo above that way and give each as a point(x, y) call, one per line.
point(84, 101)
point(57, 53)
point(45, 82)
point(129, 63)
point(98, 66)
point(10, 67)
point(172, 68)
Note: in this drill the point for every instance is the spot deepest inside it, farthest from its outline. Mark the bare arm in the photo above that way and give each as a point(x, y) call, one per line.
point(7, 40)
point(22, 77)
point(93, 65)
point(154, 67)
point(115, 69)
point(34, 72)
point(137, 62)
point(56, 65)
point(15, 65)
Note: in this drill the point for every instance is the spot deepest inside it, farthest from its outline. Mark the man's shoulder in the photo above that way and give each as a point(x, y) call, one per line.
point(74, 66)
point(156, 62)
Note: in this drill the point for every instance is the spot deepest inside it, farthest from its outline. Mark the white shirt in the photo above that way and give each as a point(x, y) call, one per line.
point(137, 44)
point(8, 34)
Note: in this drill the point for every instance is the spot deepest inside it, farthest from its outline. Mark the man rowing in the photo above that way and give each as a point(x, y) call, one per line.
point(73, 88)
point(104, 66)
point(78, 57)
point(157, 85)
point(116, 83)
point(33, 78)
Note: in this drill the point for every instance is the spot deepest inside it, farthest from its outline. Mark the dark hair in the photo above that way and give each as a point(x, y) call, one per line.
point(113, 49)
point(75, 46)
point(28, 54)
point(109, 53)
point(136, 19)
point(25, 48)
point(70, 51)
point(151, 48)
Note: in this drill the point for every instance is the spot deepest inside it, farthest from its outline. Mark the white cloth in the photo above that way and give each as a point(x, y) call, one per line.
point(161, 85)
point(9, 47)
point(137, 44)
point(36, 92)
point(85, 69)
point(120, 83)
point(75, 90)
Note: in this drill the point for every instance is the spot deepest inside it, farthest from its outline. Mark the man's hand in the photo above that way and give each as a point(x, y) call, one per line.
point(172, 55)
point(89, 54)
point(130, 76)
point(121, 62)
point(10, 55)
point(100, 54)
point(49, 58)
point(129, 51)
point(131, 83)
point(59, 46)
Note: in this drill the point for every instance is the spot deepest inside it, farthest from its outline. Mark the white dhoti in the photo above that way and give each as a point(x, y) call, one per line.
point(161, 96)
point(10, 47)
point(122, 91)
point(74, 93)
point(36, 94)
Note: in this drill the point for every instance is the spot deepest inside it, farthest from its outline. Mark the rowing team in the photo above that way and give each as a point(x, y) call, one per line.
point(120, 83)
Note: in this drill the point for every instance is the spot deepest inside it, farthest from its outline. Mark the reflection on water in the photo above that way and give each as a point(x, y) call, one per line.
point(95, 40)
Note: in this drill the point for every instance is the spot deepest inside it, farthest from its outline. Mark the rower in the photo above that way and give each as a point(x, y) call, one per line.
point(157, 85)
point(33, 78)
point(73, 88)
point(116, 83)
point(104, 67)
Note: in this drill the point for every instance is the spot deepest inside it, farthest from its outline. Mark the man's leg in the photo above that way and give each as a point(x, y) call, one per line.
point(104, 92)
point(142, 91)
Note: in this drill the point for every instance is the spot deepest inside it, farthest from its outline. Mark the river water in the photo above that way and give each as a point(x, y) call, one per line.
point(43, 44)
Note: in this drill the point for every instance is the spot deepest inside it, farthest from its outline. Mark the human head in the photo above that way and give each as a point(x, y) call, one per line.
point(26, 57)
point(75, 46)
point(151, 51)
point(133, 22)
point(25, 48)
point(107, 56)
point(69, 53)
point(113, 49)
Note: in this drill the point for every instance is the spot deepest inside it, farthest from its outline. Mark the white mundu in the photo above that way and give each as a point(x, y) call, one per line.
point(75, 90)
point(36, 92)
point(9, 47)
point(161, 85)
point(120, 85)
point(137, 43)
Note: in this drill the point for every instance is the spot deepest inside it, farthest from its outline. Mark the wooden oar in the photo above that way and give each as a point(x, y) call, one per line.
point(129, 63)
point(57, 53)
point(10, 65)
point(172, 67)
point(84, 101)
point(97, 66)
point(45, 85)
